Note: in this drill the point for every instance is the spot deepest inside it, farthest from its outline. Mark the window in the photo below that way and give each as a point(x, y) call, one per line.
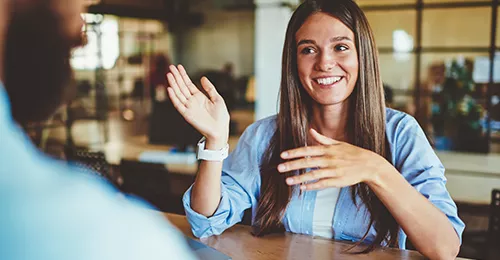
point(436, 55)
point(100, 31)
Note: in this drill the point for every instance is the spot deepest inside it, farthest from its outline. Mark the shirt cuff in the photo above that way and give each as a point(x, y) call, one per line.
point(203, 226)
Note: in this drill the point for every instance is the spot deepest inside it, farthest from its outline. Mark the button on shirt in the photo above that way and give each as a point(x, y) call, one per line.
point(412, 156)
point(51, 211)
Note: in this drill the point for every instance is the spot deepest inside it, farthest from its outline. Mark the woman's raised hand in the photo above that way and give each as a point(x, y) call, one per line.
point(208, 115)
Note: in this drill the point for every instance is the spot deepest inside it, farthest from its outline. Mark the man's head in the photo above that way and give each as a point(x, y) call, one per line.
point(40, 35)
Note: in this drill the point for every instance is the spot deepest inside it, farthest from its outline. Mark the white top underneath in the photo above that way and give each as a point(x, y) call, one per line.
point(324, 209)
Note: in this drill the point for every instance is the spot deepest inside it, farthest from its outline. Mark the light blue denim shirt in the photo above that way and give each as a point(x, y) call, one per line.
point(412, 156)
point(51, 211)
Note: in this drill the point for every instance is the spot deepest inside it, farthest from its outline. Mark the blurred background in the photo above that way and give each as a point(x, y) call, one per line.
point(440, 62)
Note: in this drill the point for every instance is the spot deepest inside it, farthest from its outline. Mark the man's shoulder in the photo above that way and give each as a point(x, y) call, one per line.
point(51, 210)
point(75, 214)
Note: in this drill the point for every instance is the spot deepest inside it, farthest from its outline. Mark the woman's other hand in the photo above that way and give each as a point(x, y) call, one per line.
point(333, 164)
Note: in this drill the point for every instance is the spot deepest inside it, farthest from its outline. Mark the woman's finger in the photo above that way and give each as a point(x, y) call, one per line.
point(304, 163)
point(173, 84)
point(192, 88)
point(175, 101)
point(311, 176)
point(324, 183)
point(318, 150)
point(180, 81)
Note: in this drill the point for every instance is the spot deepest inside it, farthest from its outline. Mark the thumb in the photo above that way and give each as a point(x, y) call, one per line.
point(321, 139)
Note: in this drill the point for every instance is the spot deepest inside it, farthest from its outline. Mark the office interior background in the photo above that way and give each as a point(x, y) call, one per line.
point(440, 62)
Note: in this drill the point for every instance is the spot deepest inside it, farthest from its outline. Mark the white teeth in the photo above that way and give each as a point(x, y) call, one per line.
point(328, 81)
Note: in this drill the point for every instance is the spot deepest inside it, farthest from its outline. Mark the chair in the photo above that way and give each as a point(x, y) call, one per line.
point(485, 244)
point(494, 226)
point(150, 181)
point(93, 162)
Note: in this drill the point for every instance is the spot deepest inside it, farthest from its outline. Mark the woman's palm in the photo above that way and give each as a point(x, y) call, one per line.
point(208, 115)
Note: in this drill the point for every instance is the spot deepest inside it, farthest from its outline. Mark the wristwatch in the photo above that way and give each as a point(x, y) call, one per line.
point(211, 155)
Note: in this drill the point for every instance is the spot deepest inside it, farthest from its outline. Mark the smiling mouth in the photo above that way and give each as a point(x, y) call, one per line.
point(328, 81)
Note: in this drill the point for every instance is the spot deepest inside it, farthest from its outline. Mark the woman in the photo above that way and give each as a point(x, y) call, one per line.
point(334, 162)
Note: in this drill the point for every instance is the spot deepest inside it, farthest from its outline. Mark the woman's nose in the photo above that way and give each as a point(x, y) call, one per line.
point(326, 62)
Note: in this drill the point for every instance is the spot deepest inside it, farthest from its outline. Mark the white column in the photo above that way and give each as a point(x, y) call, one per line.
point(271, 20)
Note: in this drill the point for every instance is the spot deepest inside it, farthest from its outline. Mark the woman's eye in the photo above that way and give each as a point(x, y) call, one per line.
point(341, 48)
point(307, 50)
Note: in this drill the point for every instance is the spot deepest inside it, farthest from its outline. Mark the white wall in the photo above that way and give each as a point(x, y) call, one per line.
point(271, 22)
point(225, 36)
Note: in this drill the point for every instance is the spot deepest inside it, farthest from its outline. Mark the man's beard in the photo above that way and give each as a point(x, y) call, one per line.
point(38, 74)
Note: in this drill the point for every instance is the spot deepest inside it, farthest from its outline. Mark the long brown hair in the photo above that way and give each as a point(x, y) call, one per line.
point(366, 122)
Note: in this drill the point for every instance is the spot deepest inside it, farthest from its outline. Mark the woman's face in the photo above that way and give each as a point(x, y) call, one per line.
point(327, 59)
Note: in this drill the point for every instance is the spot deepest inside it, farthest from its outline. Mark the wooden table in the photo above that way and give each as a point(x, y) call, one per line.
point(238, 243)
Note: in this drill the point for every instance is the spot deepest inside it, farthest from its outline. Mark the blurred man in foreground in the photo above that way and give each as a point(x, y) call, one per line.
point(49, 211)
